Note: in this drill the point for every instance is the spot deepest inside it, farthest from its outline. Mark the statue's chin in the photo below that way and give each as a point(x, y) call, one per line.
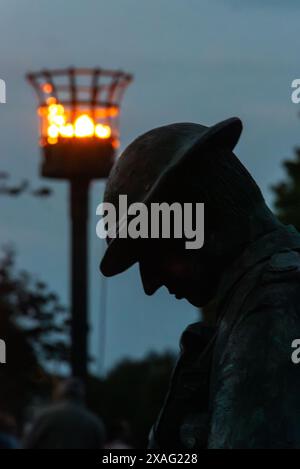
point(199, 300)
point(198, 304)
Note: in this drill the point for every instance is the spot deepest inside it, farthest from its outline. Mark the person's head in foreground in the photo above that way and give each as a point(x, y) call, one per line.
point(71, 389)
point(187, 163)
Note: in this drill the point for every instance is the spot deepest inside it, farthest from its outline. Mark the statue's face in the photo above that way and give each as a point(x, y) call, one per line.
point(188, 274)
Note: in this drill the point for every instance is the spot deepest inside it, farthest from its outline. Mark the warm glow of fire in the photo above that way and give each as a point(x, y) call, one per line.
point(102, 131)
point(67, 131)
point(47, 88)
point(82, 127)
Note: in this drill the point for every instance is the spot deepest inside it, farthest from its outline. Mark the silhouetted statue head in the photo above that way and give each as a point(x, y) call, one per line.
point(188, 164)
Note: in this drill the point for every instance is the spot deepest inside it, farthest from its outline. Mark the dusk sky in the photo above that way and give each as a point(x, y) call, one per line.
point(193, 60)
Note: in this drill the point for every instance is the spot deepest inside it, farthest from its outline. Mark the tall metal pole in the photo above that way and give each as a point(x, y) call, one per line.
point(79, 195)
point(102, 321)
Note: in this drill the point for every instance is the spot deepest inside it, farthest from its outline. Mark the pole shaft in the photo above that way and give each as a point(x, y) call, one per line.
point(79, 192)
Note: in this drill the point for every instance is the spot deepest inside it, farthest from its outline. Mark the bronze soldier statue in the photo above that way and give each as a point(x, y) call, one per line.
point(234, 385)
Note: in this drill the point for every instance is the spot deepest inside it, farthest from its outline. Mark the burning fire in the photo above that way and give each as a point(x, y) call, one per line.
point(83, 126)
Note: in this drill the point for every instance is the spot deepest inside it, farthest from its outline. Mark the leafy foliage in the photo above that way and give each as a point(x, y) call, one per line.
point(34, 325)
point(287, 193)
point(133, 391)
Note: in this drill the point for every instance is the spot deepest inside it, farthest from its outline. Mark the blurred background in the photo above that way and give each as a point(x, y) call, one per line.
point(192, 62)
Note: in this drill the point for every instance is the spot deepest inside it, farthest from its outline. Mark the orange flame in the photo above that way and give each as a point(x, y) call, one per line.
point(83, 126)
point(47, 88)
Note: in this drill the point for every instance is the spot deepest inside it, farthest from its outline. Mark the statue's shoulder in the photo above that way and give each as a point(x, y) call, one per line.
point(278, 286)
point(285, 261)
point(282, 268)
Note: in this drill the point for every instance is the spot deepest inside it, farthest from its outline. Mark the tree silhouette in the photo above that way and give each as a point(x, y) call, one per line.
point(21, 188)
point(34, 326)
point(134, 391)
point(287, 193)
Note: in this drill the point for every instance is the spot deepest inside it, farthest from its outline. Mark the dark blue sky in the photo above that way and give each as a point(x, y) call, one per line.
point(193, 60)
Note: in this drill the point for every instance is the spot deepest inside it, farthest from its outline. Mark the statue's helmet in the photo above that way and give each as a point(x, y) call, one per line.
point(146, 164)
